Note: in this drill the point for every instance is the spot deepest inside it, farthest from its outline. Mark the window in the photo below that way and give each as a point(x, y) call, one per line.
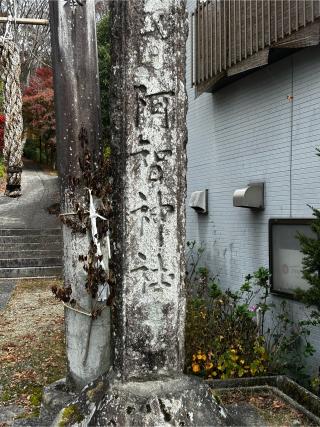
point(285, 257)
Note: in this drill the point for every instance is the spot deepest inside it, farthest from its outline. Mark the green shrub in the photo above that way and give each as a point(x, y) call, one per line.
point(237, 334)
point(2, 168)
point(31, 150)
point(222, 339)
point(310, 247)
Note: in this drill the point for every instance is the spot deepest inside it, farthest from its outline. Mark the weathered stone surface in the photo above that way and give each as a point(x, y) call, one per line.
point(181, 402)
point(148, 123)
point(177, 401)
point(148, 143)
point(77, 100)
point(8, 414)
point(55, 397)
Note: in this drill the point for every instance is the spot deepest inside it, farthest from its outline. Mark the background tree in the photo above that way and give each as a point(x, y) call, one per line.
point(310, 247)
point(38, 112)
point(102, 8)
point(2, 122)
point(1, 96)
point(103, 41)
point(2, 119)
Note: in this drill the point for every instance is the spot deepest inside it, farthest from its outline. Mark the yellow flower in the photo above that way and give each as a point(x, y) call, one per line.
point(214, 373)
point(195, 368)
point(242, 362)
point(209, 366)
point(201, 356)
point(233, 350)
point(194, 357)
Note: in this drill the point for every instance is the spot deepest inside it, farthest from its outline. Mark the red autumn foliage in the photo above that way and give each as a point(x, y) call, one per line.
point(38, 105)
point(2, 122)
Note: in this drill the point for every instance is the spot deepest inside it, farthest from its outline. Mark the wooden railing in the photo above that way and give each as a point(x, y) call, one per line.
point(226, 32)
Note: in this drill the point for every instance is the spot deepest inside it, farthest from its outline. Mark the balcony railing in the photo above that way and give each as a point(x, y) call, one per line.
point(232, 36)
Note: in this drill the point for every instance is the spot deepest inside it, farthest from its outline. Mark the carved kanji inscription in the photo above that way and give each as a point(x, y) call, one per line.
point(154, 107)
point(155, 275)
point(157, 213)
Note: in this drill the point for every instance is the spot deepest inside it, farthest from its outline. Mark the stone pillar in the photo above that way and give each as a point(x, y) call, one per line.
point(77, 99)
point(148, 127)
point(149, 137)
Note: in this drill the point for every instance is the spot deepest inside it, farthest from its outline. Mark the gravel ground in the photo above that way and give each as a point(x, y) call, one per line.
point(6, 288)
point(32, 349)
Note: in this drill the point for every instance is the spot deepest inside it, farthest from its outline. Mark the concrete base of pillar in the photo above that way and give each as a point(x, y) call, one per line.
point(182, 401)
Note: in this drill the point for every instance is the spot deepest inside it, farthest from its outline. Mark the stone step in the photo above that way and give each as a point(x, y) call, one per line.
point(30, 262)
point(30, 232)
point(38, 253)
point(27, 246)
point(19, 273)
point(30, 239)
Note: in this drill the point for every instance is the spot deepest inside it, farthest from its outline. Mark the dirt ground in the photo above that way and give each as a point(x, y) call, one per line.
point(2, 184)
point(271, 408)
point(32, 350)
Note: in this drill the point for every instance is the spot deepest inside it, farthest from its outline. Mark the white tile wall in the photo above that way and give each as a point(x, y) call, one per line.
point(243, 133)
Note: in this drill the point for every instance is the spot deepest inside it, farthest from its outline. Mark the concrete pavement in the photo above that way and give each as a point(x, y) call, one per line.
point(39, 191)
point(26, 220)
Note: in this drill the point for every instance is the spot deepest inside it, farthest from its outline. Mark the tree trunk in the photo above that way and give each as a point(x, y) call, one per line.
point(40, 150)
point(77, 104)
point(46, 152)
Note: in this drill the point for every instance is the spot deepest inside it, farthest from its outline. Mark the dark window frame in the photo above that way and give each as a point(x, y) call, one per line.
point(282, 221)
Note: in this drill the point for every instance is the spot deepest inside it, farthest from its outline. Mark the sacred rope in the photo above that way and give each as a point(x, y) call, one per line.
point(13, 131)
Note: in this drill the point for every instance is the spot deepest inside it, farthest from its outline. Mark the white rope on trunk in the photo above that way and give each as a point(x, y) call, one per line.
point(13, 131)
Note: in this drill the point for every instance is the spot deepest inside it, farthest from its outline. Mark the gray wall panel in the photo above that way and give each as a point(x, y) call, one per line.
point(243, 133)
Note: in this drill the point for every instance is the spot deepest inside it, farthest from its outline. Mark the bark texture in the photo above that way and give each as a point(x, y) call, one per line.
point(13, 140)
point(77, 99)
point(149, 136)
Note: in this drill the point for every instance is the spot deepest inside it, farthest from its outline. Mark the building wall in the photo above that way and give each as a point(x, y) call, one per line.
point(246, 132)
